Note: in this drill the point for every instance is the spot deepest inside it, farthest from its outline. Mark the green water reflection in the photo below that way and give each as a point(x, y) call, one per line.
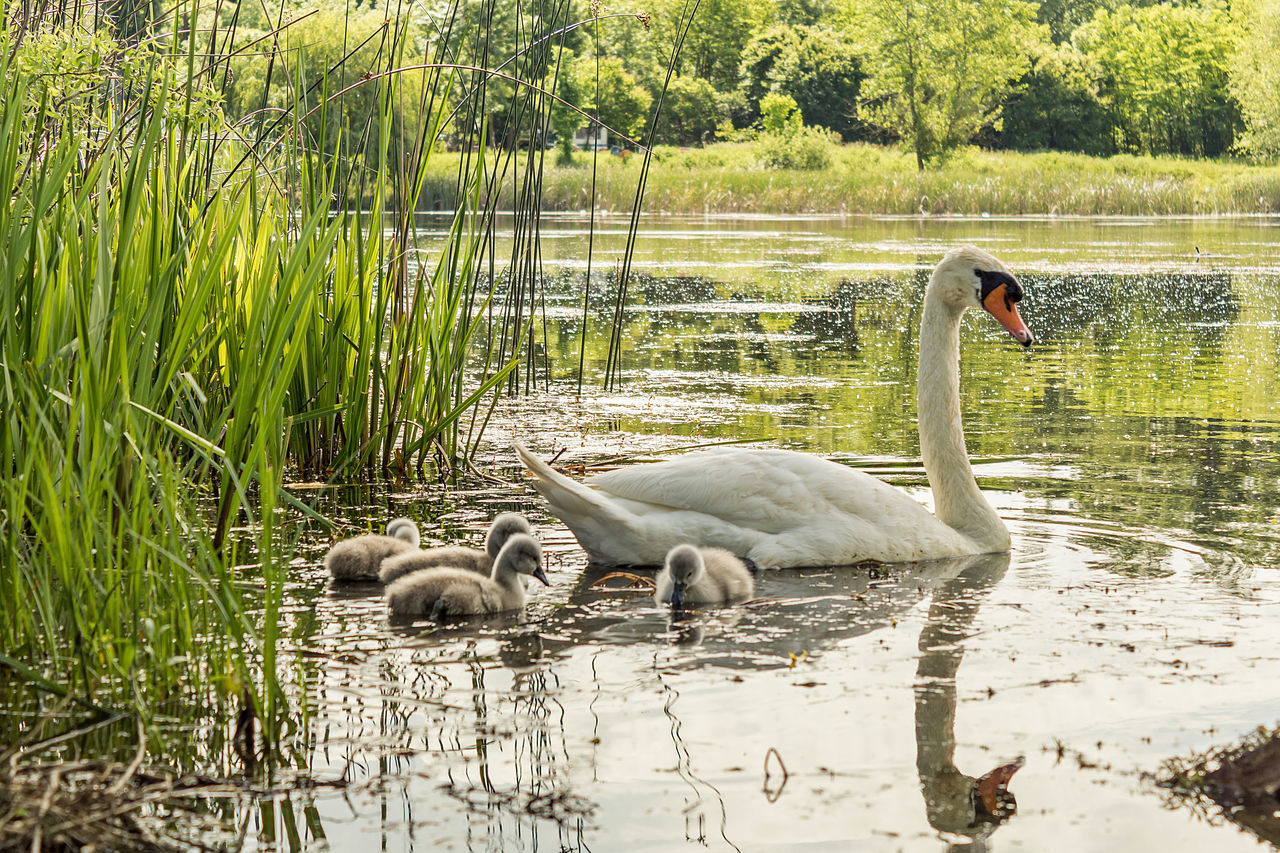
point(1133, 452)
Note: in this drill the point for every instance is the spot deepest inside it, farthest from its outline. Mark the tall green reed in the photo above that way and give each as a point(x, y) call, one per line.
point(192, 310)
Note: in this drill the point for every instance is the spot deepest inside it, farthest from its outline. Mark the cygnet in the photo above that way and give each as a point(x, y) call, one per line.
point(457, 556)
point(693, 576)
point(445, 591)
point(359, 559)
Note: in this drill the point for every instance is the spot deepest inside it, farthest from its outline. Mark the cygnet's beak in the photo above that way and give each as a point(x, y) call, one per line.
point(1001, 303)
point(542, 576)
point(677, 595)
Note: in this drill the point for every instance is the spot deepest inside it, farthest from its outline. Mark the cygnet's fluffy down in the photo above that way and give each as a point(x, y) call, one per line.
point(359, 558)
point(457, 556)
point(445, 592)
point(693, 576)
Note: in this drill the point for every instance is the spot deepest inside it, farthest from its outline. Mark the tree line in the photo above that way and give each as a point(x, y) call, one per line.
point(1093, 76)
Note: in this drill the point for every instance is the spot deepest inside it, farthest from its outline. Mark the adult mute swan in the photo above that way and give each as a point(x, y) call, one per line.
point(784, 509)
point(693, 576)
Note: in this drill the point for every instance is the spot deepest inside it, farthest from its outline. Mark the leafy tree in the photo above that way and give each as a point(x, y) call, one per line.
point(780, 115)
point(620, 101)
point(1056, 106)
point(762, 54)
point(1063, 17)
point(938, 70)
point(316, 47)
point(1255, 75)
point(813, 66)
point(805, 13)
point(720, 31)
point(1165, 76)
point(689, 114)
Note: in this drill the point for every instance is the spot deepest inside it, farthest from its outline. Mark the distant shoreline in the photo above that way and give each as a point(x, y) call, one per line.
point(725, 178)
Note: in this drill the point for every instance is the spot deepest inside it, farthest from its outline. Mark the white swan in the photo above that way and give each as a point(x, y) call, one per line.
point(693, 576)
point(458, 556)
point(445, 592)
point(781, 508)
point(359, 558)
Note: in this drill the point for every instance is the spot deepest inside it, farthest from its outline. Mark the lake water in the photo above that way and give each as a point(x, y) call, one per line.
point(1134, 453)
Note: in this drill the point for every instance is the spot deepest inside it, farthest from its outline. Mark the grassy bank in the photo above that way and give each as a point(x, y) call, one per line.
point(728, 178)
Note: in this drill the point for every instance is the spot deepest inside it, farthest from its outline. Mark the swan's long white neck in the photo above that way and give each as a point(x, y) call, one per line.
point(958, 502)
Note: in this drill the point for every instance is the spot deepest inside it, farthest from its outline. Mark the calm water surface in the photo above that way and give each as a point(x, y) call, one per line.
point(1134, 452)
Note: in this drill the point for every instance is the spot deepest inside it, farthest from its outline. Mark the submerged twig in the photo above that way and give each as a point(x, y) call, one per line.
point(639, 583)
point(774, 794)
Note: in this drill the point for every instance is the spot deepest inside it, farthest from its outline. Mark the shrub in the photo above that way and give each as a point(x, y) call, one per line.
point(809, 148)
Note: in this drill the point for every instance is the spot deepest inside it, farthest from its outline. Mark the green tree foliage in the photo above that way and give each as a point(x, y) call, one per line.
point(761, 55)
point(1056, 106)
point(811, 65)
point(1063, 17)
point(780, 115)
point(619, 101)
point(1255, 75)
point(689, 113)
point(1165, 76)
point(939, 70)
point(331, 50)
point(77, 71)
point(805, 13)
point(720, 32)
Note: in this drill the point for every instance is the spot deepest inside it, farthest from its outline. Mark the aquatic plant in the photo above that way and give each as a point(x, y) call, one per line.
point(193, 307)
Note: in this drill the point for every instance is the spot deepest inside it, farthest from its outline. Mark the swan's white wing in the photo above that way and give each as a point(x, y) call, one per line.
point(777, 507)
point(771, 491)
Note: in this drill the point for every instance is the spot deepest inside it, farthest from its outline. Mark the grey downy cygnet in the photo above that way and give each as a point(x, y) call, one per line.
point(359, 558)
point(457, 556)
point(444, 592)
point(693, 576)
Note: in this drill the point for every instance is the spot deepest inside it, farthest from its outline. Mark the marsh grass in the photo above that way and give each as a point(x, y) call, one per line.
point(863, 178)
point(193, 312)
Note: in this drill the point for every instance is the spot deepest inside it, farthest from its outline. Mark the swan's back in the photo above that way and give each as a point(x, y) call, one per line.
point(777, 507)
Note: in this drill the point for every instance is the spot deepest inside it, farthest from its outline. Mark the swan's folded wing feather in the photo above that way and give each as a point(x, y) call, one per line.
point(765, 490)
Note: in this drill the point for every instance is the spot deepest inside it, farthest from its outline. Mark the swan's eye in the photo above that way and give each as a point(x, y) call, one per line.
point(991, 279)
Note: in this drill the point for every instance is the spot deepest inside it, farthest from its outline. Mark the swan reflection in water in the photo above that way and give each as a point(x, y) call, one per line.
point(799, 611)
point(956, 803)
point(805, 611)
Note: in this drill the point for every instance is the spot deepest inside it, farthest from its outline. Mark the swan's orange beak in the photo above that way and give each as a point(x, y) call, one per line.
point(1001, 303)
point(992, 790)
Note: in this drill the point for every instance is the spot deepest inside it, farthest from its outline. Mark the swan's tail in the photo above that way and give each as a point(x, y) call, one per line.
point(594, 519)
point(566, 496)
